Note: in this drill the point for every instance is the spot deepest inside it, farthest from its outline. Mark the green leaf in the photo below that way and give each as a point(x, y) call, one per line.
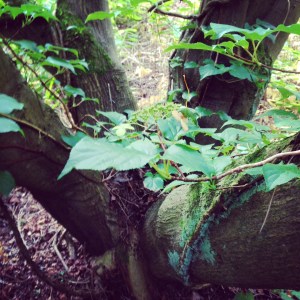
point(288, 125)
point(144, 146)
point(247, 124)
point(283, 119)
point(56, 49)
point(220, 163)
point(190, 65)
point(244, 296)
point(172, 94)
point(195, 46)
point(227, 46)
point(28, 45)
point(7, 125)
point(277, 113)
point(190, 159)
point(212, 69)
point(294, 28)
point(203, 112)
point(7, 183)
point(153, 182)
point(189, 95)
point(113, 116)
point(72, 140)
point(169, 128)
point(120, 130)
point(234, 135)
point(74, 91)
point(8, 104)
point(284, 296)
point(99, 15)
point(174, 184)
point(12, 10)
point(99, 155)
point(296, 294)
point(219, 30)
point(58, 63)
point(176, 62)
point(277, 174)
point(35, 11)
point(238, 70)
point(80, 64)
point(254, 171)
point(285, 93)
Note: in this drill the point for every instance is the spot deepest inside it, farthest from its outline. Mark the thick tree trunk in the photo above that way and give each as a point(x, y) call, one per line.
point(105, 79)
point(238, 98)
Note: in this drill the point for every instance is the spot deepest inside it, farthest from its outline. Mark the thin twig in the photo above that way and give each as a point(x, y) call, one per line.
point(268, 211)
point(55, 243)
point(286, 16)
point(270, 204)
point(263, 65)
point(39, 130)
point(154, 6)
point(173, 14)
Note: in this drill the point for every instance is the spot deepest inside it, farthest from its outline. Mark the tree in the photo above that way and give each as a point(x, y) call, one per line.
point(225, 246)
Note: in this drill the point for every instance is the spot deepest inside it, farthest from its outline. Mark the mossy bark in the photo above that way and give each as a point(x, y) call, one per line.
point(228, 248)
point(105, 79)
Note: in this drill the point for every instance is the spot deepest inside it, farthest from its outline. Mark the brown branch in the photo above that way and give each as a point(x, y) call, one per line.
point(173, 14)
point(155, 8)
point(280, 70)
point(35, 268)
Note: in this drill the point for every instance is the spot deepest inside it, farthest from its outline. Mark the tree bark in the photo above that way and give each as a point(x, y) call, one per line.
point(80, 201)
point(238, 98)
point(105, 79)
point(229, 248)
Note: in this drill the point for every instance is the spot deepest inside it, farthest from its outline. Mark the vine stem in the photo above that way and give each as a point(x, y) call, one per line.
point(249, 62)
point(241, 168)
point(39, 130)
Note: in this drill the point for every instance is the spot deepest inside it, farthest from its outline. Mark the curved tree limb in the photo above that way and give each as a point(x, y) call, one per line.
point(195, 235)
